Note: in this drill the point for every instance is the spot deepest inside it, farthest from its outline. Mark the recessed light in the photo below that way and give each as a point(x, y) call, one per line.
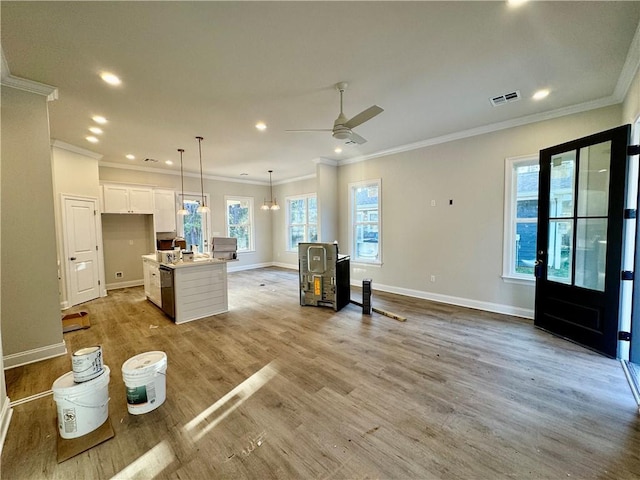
point(261, 126)
point(96, 130)
point(516, 3)
point(131, 157)
point(338, 150)
point(168, 162)
point(110, 78)
point(91, 139)
point(540, 94)
point(99, 119)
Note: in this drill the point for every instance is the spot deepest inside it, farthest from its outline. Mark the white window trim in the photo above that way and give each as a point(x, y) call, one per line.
point(352, 186)
point(252, 243)
point(508, 275)
point(287, 200)
point(180, 224)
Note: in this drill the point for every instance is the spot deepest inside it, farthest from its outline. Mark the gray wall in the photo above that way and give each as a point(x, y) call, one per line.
point(125, 239)
point(461, 244)
point(28, 258)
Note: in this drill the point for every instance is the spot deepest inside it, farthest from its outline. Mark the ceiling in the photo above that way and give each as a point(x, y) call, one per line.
point(215, 69)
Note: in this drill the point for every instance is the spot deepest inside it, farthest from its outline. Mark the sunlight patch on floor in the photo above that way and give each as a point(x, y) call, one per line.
point(148, 465)
point(201, 424)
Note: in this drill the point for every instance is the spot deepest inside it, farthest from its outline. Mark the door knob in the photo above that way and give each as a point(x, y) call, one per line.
point(72, 258)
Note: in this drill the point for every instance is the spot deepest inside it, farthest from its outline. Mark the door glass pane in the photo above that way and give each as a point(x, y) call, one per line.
point(593, 180)
point(591, 250)
point(560, 251)
point(562, 184)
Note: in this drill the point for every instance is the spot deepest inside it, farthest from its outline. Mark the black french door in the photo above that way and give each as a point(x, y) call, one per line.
point(579, 247)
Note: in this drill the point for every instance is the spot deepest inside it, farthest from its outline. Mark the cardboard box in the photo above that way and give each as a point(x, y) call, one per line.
point(68, 448)
point(75, 321)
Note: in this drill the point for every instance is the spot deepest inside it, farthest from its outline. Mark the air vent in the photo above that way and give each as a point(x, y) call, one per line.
point(350, 142)
point(506, 98)
point(151, 160)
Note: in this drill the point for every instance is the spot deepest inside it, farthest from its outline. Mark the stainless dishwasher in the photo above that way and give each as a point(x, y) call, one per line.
point(167, 292)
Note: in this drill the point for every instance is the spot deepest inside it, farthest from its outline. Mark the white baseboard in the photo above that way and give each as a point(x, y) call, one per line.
point(459, 301)
point(5, 419)
point(435, 297)
point(290, 266)
point(130, 283)
point(238, 268)
point(64, 305)
point(31, 356)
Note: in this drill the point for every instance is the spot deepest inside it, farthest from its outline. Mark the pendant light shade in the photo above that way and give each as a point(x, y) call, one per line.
point(271, 204)
point(203, 206)
point(182, 211)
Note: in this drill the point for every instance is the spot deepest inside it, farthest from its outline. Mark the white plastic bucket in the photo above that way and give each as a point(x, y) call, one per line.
point(145, 380)
point(86, 363)
point(82, 407)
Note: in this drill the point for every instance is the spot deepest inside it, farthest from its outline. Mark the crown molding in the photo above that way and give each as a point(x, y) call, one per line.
point(629, 69)
point(325, 161)
point(8, 80)
point(493, 127)
point(74, 149)
point(164, 171)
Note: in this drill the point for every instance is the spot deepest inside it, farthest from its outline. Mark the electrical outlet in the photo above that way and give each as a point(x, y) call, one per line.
point(130, 242)
point(433, 278)
point(119, 275)
point(433, 203)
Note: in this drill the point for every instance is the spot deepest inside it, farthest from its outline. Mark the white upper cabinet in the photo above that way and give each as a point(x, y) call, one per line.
point(165, 210)
point(127, 199)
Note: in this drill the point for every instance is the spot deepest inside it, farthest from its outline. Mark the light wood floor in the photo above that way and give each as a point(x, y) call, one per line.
point(275, 390)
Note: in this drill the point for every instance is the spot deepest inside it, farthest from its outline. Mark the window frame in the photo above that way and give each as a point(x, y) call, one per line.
point(509, 273)
point(236, 198)
point(354, 223)
point(206, 234)
point(288, 200)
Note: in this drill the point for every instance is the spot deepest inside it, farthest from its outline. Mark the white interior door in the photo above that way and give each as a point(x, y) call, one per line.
point(81, 248)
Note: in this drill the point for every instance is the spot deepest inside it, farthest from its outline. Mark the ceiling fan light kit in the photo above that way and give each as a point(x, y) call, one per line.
point(343, 128)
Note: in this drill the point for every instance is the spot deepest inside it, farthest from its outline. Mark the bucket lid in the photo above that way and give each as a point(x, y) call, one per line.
point(86, 351)
point(144, 363)
point(65, 385)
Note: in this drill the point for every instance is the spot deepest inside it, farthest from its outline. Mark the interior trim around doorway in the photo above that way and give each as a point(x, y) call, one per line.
point(632, 372)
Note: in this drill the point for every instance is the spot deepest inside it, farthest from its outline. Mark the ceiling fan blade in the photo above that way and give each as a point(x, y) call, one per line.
point(363, 116)
point(357, 138)
point(311, 130)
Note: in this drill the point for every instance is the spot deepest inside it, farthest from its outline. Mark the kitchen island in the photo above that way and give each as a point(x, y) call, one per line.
point(188, 290)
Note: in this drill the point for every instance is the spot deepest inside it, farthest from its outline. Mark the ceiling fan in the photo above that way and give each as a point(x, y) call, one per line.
point(342, 128)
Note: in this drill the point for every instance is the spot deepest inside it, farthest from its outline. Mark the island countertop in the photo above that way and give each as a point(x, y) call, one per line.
point(193, 263)
point(195, 289)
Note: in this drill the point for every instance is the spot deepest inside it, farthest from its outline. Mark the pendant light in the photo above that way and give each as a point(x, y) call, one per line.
point(271, 204)
point(203, 207)
point(182, 211)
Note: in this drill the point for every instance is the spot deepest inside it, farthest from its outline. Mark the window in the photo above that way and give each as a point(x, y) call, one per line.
point(520, 217)
point(239, 220)
point(365, 211)
point(302, 220)
point(194, 227)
